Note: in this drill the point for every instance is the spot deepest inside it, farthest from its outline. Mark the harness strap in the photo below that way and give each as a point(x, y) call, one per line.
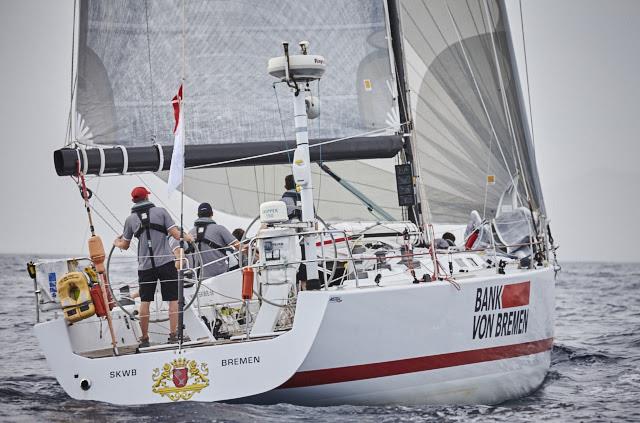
point(154, 226)
point(212, 244)
point(295, 195)
point(146, 226)
point(200, 238)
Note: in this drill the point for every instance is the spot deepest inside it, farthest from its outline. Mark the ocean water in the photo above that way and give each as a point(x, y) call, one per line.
point(594, 375)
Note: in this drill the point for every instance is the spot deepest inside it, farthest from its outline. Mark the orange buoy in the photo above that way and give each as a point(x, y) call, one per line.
point(96, 252)
point(247, 283)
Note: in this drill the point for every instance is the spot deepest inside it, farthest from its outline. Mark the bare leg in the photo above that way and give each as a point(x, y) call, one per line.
point(144, 318)
point(173, 316)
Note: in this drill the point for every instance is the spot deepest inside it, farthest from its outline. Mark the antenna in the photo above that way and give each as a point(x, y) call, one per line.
point(294, 69)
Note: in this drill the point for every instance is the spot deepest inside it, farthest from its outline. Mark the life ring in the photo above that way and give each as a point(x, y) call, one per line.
point(75, 297)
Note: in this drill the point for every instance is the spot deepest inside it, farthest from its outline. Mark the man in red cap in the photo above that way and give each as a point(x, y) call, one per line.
point(152, 226)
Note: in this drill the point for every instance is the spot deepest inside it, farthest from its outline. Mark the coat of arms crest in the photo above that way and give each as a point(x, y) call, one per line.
point(186, 376)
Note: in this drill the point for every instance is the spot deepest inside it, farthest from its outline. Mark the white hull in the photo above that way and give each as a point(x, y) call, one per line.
point(432, 329)
point(406, 344)
point(480, 383)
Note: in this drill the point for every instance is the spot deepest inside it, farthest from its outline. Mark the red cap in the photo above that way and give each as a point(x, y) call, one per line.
point(139, 193)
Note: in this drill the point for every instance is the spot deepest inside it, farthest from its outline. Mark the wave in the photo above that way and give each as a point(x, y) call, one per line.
point(563, 353)
point(30, 387)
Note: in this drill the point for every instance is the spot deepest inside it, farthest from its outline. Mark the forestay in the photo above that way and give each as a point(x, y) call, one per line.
point(471, 133)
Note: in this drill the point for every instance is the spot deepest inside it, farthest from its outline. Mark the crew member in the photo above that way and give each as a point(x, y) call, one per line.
point(213, 241)
point(291, 198)
point(151, 225)
point(238, 233)
point(448, 240)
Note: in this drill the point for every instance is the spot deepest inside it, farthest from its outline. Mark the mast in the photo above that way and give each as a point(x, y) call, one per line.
point(415, 212)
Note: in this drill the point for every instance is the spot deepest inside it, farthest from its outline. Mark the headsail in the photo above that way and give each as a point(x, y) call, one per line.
point(471, 132)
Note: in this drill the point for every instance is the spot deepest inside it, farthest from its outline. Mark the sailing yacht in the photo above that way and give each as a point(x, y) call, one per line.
point(401, 120)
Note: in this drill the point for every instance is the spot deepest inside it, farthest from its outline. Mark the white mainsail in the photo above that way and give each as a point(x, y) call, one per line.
point(127, 71)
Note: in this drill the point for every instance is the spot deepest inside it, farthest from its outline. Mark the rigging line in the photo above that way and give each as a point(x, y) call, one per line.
point(69, 134)
point(506, 103)
point(526, 72)
point(233, 204)
point(97, 197)
point(484, 107)
point(255, 177)
point(153, 108)
point(105, 220)
point(288, 150)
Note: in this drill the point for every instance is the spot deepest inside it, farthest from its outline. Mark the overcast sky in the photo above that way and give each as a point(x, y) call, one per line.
point(583, 60)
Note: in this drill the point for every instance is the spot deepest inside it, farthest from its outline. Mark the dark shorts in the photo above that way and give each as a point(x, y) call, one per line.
point(167, 274)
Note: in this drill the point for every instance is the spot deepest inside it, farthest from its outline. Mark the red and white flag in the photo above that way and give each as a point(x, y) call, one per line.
point(177, 158)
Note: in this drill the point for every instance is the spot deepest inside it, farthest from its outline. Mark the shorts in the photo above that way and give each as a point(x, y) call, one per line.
point(167, 274)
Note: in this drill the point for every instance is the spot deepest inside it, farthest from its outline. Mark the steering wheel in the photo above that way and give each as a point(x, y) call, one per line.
point(199, 266)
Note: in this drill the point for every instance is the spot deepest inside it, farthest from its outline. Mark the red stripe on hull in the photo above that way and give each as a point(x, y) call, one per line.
point(412, 365)
point(516, 294)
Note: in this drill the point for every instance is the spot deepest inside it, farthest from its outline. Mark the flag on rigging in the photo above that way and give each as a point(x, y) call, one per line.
point(177, 158)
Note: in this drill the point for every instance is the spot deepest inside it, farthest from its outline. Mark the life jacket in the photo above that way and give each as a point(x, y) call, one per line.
point(297, 211)
point(143, 209)
point(201, 229)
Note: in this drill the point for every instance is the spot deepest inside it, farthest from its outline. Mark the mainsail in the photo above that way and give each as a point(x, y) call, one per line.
point(129, 65)
point(471, 132)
